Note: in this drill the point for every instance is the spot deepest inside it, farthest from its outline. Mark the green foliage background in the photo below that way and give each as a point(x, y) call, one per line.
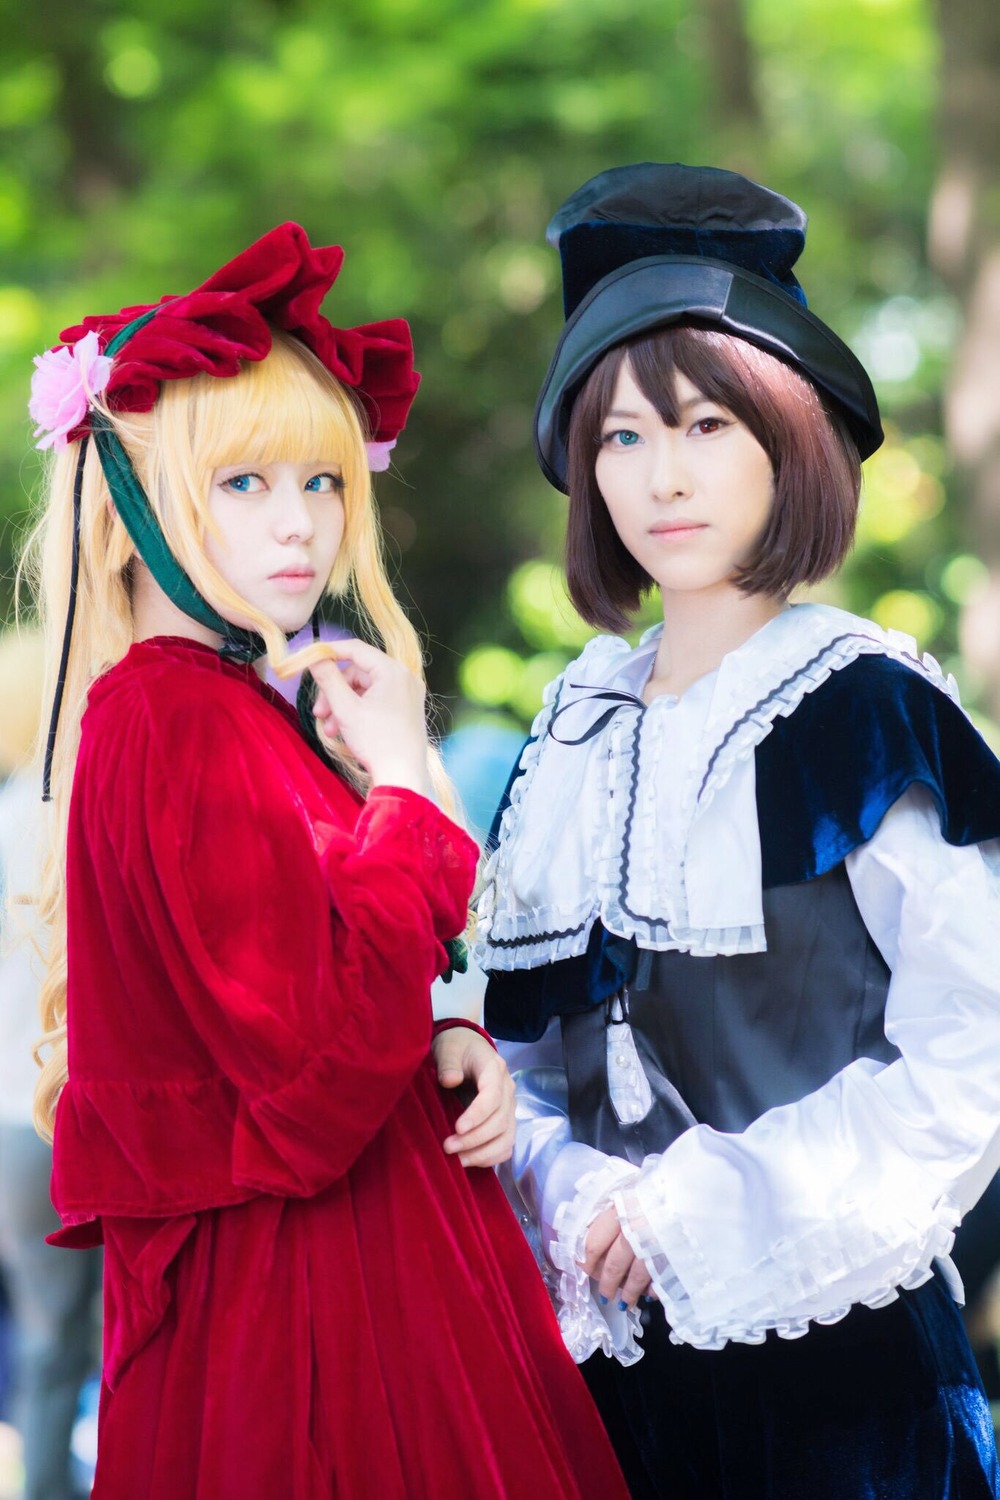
point(142, 146)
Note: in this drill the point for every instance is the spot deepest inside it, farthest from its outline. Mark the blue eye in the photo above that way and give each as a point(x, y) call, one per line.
point(244, 484)
point(325, 484)
point(622, 437)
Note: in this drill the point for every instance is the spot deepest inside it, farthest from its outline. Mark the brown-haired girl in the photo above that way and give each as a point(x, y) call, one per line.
point(743, 910)
point(305, 1295)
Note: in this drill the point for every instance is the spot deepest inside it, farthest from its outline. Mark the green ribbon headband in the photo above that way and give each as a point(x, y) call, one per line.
point(133, 507)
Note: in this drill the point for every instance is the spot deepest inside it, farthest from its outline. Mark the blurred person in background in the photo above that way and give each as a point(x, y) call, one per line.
point(52, 1292)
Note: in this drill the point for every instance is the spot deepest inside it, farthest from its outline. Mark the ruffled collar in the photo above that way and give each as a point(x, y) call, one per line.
point(644, 816)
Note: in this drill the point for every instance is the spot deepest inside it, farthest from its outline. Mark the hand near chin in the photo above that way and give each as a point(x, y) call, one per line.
point(375, 705)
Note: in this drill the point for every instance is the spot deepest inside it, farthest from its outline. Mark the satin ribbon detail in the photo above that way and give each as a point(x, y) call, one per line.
point(617, 700)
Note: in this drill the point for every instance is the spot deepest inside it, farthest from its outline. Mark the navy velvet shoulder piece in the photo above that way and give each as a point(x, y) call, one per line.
point(828, 774)
point(520, 1003)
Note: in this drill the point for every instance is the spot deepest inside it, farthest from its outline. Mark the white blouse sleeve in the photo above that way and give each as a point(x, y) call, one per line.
point(563, 1186)
point(856, 1189)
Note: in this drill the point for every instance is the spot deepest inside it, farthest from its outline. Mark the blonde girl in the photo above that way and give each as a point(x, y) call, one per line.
point(248, 908)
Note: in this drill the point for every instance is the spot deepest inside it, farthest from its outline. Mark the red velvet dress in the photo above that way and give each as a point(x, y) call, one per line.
point(305, 1297)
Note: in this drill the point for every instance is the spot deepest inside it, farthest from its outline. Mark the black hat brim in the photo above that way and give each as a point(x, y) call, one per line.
point(664, 290)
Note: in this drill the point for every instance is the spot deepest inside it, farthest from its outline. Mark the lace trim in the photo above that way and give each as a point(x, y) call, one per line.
point(633, 743)
point(800, 1284)
point(584, 1323)
point(511, 940)
point(630, 777)
point(743, 737)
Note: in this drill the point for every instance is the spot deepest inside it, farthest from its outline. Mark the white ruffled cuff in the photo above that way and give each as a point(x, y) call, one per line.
point(816, 1279)
point(586, 1325)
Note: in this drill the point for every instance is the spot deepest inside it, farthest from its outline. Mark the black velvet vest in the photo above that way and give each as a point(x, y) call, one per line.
point(721, 1040)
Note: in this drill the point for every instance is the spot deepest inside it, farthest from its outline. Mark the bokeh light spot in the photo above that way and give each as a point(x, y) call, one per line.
point(536, 675)
point(541, 607)
point(134, 72)
point(490, 675)
point(963, 577)
point(913, 613)
point(20, 318)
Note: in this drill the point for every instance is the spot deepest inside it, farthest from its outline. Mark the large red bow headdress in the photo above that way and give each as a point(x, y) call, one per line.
point(279, 281)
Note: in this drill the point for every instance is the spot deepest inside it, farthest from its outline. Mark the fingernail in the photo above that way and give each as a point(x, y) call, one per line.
point(604, 1300)
point(623, 1307)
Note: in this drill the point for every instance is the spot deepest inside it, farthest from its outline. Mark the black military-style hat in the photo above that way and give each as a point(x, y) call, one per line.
point(653, 244)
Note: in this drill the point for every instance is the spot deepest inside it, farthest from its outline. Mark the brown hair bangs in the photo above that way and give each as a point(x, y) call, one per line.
point(816, 468)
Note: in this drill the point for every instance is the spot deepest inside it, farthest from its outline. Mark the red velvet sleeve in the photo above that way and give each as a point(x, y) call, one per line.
point(299, 947)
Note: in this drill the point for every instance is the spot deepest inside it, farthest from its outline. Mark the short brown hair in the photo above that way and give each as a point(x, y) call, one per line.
point(817, 471)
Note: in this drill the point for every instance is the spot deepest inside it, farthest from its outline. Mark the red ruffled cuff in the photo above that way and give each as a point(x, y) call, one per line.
point(433, 850)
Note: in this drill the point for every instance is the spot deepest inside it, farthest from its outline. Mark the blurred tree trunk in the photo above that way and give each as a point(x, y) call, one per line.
point(731, 63)
point(738, 124)
point(965, 249)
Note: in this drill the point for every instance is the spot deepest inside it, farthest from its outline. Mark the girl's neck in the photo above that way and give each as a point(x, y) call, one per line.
point(699, 630)
point(154, 614)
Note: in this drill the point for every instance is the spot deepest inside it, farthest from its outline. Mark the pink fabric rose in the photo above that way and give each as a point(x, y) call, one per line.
point(62, 387)
point(378, 455)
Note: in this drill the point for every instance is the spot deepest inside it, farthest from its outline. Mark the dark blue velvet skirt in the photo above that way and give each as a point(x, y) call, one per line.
point(885, 1405)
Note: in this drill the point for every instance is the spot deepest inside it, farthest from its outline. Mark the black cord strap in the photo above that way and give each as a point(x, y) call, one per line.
point(74, 578)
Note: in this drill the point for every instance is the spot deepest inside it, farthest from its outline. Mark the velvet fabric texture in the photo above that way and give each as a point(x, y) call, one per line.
point(825, 778)
point(305, 1297)
point(885, 1405)
point(280, 280)
point(827, 775)
point(632, 213)
point(659, 243)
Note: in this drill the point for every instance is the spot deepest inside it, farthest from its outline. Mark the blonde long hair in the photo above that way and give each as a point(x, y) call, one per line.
point(286, 407)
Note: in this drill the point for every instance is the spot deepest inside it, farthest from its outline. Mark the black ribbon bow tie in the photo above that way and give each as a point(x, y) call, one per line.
point(602, 695)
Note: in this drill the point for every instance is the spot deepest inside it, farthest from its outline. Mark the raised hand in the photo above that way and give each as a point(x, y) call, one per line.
point(376, 706)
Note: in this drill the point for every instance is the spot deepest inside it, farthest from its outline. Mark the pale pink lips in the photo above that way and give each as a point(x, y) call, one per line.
point(676, 531)
point(294, 580)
